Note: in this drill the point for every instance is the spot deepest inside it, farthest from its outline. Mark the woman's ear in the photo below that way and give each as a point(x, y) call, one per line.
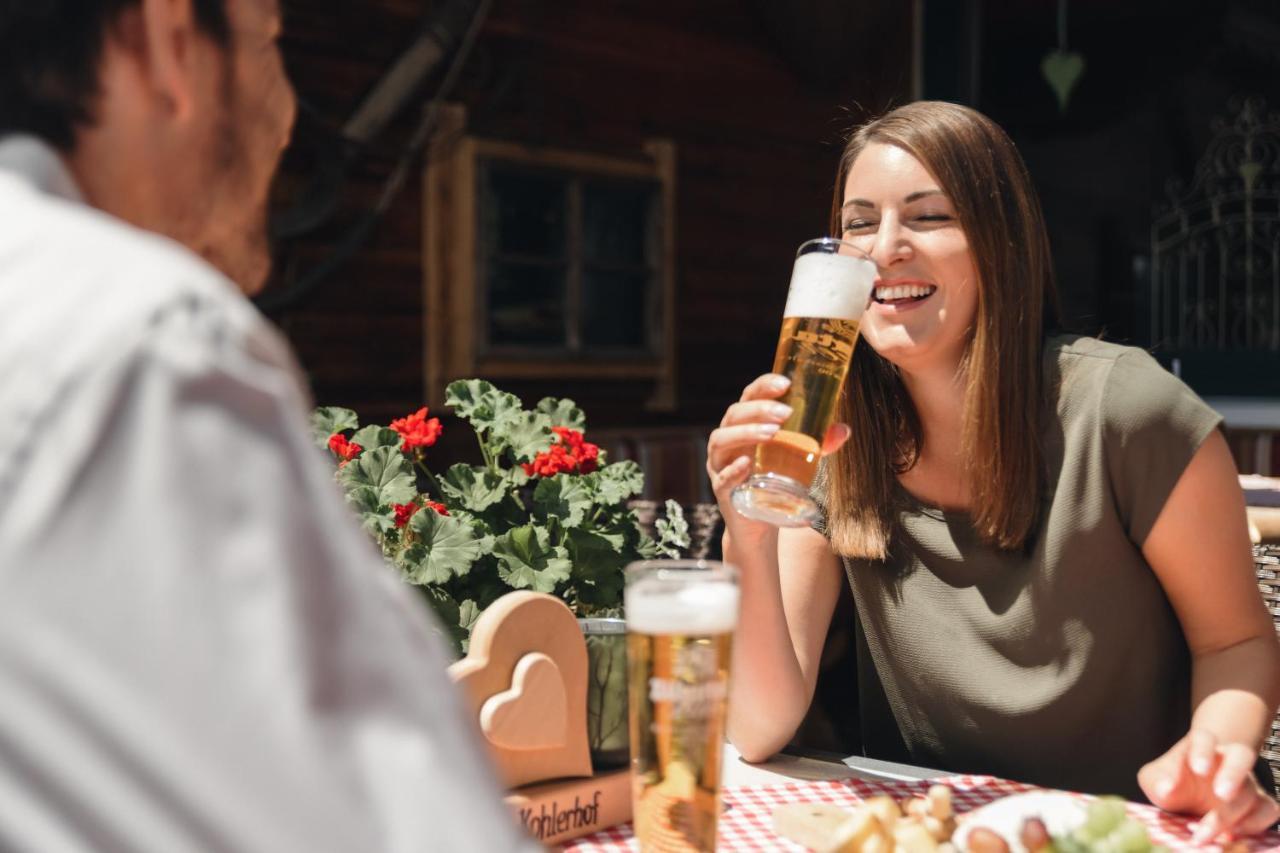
point(165, 38)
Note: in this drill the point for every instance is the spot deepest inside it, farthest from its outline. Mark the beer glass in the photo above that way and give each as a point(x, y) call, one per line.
point(831, 286)
point(681, 615)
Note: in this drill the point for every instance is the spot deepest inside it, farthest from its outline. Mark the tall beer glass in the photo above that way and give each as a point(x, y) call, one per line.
point(831, 286)
point(681, 615)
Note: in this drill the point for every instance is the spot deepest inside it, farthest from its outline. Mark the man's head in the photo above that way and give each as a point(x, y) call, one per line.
point(171, 113)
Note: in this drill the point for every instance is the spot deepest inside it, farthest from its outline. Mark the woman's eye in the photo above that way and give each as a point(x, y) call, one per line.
point(934, 217)
point(858, 225)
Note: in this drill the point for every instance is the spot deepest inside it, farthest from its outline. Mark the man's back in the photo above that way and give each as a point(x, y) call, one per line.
point(198, 648)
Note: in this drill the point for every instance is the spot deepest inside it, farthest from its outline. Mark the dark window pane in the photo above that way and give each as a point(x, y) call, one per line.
point(615, 310)
point(615, 222)
point(525, 213)
point(526, 305)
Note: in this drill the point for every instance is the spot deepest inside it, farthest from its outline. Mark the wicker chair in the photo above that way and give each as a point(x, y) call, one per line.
point(1266, 560)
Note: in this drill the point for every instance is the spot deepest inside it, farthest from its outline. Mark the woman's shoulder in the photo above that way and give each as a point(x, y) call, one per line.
point(1123, 386)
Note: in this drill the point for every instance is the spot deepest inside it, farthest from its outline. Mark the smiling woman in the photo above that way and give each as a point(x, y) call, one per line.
point(1043, 535)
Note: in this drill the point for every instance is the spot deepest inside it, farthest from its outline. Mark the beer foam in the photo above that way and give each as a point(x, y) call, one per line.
point(657, 607)
point(827, 285)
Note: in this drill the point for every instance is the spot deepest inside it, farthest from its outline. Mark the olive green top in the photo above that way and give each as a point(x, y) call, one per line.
point(1062, 665)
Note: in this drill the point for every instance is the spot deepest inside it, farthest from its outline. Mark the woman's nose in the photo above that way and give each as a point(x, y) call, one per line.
point(890, 245)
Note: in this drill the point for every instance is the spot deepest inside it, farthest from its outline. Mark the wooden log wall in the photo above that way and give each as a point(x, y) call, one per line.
point(757, 127)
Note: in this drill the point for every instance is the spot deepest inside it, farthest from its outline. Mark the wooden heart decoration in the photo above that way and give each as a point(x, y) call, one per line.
point(533, 712)
point(1062, 68)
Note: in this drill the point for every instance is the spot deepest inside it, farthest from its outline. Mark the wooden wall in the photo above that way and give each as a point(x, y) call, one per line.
point(756, 115)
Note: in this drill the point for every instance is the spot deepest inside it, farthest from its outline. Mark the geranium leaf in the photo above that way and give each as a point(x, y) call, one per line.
point(374, 517)
point(526, 562)
point(326, 420)
point(597, 567)
point(563, 496)
point(526, 435)
point(477, 488)
point(468, 613)
point(386, 471)
point(619, 481)
point(449, 614)
point(563, 413)
point(444, 548)
point(373, 437)
point(673, 531)
point(480, 404)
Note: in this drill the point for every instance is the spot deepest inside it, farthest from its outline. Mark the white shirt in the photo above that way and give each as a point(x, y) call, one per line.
point(199, 649)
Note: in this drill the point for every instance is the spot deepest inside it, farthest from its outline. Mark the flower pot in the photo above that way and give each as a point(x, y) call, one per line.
point(607, 732)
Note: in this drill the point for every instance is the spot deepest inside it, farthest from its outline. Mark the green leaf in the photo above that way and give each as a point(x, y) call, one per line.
point(468, 613)
point(326, 420)
point(386, 471)
point(448, 612)
point(619, 481)
point(375, 517)
point(480, 404)
point(445, 548)
point(525, 435)
point(373, 437)
point(673, 531)
point(563, 496)
point(526, 561)
point(563, 413)
point(477, 488)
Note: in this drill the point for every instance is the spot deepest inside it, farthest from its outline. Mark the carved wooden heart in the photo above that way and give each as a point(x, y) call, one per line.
point(533, 713)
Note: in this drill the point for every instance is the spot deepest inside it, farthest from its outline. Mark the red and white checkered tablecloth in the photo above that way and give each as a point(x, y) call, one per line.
point(745, 823)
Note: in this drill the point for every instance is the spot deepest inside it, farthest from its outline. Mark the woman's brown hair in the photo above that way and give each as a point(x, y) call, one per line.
point(978, 167)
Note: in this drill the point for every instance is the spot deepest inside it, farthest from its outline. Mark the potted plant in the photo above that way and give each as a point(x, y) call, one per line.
point(544, 510)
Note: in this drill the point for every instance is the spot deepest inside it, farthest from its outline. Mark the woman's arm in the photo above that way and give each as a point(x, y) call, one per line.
point(1199, 549)
point(785, 613)
point(784, 621)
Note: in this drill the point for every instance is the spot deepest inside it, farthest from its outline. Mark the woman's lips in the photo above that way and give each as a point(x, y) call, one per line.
point(899, 295)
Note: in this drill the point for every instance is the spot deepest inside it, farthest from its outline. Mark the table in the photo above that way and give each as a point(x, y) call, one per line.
point(752, 791)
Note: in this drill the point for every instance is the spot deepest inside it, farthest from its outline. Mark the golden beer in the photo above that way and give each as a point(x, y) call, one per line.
point(678, 684)
point(815, 352)
point(830, 289)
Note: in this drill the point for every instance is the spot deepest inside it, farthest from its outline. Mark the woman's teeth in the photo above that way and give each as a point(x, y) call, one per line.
point(903, 291)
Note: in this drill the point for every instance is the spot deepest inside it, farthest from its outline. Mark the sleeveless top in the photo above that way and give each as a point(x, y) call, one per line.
point(1063, 664)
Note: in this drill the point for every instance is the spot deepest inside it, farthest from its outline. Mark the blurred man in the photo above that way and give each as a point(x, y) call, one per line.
point(199, 650)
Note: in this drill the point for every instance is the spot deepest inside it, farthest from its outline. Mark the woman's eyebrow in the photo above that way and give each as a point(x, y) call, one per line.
point(915, 196)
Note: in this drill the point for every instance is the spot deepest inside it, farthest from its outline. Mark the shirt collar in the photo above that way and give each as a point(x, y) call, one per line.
point(35, 160)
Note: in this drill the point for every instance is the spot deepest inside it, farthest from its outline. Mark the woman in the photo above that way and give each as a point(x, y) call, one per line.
point(1045, 538)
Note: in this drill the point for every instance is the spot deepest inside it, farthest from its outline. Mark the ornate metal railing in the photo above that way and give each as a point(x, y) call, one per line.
point(1215, 249)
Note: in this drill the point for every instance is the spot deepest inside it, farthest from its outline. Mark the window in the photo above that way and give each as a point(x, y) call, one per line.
point(547, 263)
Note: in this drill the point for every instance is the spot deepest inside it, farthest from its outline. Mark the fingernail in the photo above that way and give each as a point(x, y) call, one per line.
point(781, 411)
point(766, 430)
point(1199, 765)
point(779, 383)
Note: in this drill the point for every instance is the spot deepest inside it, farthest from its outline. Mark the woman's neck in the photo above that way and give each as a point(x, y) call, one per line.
point(939, 475)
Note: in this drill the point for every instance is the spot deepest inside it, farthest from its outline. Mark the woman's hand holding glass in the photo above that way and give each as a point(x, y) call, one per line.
point(753, 420)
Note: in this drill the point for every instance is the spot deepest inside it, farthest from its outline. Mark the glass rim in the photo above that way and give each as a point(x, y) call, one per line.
point(826, 244)
point(676, 568)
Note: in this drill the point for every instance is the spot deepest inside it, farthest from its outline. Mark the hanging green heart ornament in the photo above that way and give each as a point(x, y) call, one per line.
point(1062, 68)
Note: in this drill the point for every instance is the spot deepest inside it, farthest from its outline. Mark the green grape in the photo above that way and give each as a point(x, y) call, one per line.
point(1104, 815)
point(1129, 837)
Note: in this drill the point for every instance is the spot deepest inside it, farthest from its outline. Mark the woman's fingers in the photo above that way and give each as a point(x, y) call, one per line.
point(728, 443)
point(837, 435)
point(1260, 818)
point(769, 386)
point(1228, 814)
point(729, 477)
point(1202, 750)
point(756, 411)
point(1234, 768)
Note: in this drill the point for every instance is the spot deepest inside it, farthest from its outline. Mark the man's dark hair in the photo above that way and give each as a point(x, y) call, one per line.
point(50, 51)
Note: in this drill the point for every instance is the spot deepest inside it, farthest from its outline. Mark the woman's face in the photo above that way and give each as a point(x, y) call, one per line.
point(926, 293)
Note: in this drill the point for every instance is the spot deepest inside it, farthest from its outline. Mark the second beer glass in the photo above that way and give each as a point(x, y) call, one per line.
point(681, 616)
point(831, 286)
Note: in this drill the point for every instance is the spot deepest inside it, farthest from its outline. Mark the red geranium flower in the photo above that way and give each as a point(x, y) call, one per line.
point(404, 512)
point(569, 454)
point(343, 449)
point(416, 430)
point(438, 507)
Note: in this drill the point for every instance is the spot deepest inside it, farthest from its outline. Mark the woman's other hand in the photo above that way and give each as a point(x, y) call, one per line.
point(1201, 776)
